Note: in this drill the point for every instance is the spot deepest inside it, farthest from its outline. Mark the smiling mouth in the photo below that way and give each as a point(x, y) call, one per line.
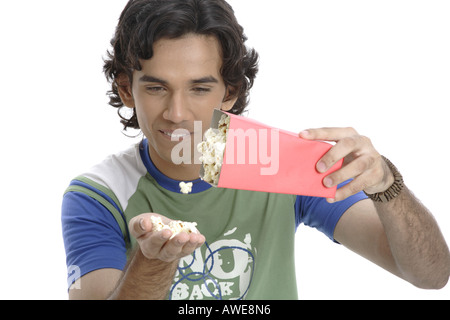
point(175, 134)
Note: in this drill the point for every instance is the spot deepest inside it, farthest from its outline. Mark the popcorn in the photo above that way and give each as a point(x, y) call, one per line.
point(186, 187)
point(158, 225)
point(212, 150)
point(175, 226)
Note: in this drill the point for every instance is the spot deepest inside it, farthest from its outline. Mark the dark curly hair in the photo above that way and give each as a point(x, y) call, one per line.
point(143, 22)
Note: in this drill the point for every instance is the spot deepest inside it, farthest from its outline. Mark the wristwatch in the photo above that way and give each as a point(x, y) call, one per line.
point(394, 190)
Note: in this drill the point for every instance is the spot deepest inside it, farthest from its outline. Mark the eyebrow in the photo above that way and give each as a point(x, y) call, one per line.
point(208, 79)
point(146, 78)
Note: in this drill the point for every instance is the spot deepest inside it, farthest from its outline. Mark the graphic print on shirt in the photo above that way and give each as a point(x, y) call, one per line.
point(220, 270)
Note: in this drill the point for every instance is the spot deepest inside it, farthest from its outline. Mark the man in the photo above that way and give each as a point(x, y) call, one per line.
point(174, 62)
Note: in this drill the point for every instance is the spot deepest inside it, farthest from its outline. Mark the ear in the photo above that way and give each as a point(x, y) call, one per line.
point(230, 99)
point(124, 88)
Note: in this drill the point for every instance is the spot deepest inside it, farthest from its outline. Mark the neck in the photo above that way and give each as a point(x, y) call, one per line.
point(180, 172)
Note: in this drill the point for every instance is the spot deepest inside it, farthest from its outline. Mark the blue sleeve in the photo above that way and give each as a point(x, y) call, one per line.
point(318, 213)
point(92, 238)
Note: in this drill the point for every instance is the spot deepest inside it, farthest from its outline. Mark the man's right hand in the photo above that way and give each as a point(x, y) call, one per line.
point(157, 244)
point(151, 268)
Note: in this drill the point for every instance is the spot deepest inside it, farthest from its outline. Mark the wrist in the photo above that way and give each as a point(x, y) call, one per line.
point(145, 278)
point(395, 183)
point(141, 259)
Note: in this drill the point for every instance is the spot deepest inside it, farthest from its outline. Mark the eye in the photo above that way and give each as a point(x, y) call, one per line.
point(155, 89)
point(201, 90)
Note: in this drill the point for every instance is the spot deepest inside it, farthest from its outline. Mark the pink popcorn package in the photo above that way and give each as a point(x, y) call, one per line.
point(241, 153)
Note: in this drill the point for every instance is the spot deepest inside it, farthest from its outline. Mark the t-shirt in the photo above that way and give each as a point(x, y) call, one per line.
point(249, 249)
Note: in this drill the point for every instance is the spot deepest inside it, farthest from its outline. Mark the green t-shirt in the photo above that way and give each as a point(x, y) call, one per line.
point(249, 249)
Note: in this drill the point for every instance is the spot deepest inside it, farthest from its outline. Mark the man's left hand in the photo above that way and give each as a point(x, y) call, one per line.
point(362, 162)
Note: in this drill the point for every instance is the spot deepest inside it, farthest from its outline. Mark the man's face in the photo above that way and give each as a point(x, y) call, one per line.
point(180, 84)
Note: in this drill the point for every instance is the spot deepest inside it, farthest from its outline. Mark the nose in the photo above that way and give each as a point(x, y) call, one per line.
point(176, 110)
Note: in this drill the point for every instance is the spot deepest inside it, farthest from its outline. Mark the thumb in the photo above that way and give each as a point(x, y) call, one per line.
point(140, 225)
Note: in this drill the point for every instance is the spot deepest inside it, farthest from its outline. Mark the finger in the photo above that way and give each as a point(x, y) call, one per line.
point(140, 225)
point(327, 134)
point(152, 245)
point(349, 171)
point(356, 185)
point(173, 248)
point(180, 246)
point(343, 148)
point(195, 241)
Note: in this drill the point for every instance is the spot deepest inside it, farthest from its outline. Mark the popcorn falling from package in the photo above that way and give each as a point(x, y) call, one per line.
point(175, 226)
point(212, 150)
point(186, 187)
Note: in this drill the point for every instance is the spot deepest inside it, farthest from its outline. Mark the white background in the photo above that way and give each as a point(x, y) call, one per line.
point(380, 66)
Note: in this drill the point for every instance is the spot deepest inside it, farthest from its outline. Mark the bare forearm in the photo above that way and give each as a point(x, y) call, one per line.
point(416, 243)
point(145, 279)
